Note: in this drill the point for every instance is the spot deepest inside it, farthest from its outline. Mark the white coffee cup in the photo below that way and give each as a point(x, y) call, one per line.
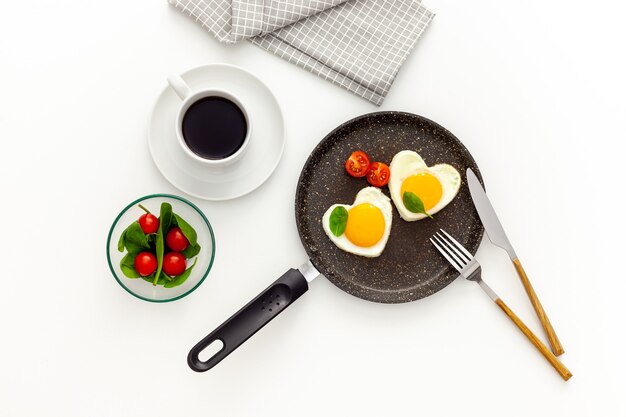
point(190, 96)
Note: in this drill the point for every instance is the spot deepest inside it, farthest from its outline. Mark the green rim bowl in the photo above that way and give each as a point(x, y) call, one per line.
point(189, 212)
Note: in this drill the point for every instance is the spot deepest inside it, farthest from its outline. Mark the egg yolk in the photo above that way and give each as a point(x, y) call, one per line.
point(424, 185)
point(366, 225)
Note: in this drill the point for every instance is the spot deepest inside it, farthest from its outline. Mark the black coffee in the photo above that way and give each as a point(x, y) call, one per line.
point(214, 128)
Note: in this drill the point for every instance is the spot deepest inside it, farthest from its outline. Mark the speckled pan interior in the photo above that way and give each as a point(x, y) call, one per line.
point(409, 268)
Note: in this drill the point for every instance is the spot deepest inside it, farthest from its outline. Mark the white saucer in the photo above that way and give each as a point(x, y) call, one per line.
point(243, 176)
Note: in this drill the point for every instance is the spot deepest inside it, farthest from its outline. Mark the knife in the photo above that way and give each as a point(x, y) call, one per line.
point(496, 234)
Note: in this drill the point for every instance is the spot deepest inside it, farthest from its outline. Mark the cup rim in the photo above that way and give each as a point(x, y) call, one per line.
point(196, 96)
point(134, 203)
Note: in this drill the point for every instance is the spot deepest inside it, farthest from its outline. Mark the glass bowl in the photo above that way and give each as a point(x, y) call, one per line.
point(189, 212)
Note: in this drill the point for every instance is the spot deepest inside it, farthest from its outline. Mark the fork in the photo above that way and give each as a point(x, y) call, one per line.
point(469, 268)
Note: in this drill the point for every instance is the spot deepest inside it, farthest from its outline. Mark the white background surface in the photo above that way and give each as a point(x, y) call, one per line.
point(534, 89)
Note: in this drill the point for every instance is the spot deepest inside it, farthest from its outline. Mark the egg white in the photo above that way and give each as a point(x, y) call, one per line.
point(407, 163)
point(371, 195)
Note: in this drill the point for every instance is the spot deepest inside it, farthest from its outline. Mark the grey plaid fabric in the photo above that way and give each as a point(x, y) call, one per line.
point(356, 44)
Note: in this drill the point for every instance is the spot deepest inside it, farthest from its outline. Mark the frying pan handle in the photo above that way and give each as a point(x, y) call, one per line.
point(250, 319)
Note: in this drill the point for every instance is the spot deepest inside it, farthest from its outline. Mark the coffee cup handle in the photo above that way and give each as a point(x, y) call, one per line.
point(179, 86)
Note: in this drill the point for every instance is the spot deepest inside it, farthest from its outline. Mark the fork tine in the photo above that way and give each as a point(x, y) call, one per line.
point(454, 248)
point(446, 246)
point(465, 251)
point(445, 255)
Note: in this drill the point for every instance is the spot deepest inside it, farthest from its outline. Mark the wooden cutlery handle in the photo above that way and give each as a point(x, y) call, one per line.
point(554, 361)
point(554, 341)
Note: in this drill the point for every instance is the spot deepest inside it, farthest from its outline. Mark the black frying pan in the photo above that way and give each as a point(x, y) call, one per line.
point(408, 269)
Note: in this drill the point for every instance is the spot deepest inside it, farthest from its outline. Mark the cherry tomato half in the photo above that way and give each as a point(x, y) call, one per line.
point(174, 264)
point(145, 263)
point(378, 175)
point(149, 223)
point(358, 164)
point(176, 240)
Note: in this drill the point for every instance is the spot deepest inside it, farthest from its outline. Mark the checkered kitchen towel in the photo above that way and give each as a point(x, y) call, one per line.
point(356, 44)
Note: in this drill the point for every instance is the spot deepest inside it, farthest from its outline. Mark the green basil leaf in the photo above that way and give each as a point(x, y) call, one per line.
point(338, 220)
point(181, 278)
point(165, 219)
point(413, 203)
point(135, 239)
point(127, 265)
point(187, 230)
point(191, 251)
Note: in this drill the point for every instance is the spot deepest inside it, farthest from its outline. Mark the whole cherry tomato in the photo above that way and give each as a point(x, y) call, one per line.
point(358, 164)
point(145, 263)
point(174, 264)
point(378, 174)
point(149, 223)
point(176, 240)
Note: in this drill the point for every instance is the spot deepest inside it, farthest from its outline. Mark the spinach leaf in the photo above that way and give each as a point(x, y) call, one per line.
point(149, 278)
point(152, 242)
point(127, 265)
point(181, 278)
point(164, 278)
point(122, 241)
point(165, 219)
point(135, 239)
point(338, 220)
point(187, 230)
point(191, 250)
point(413, 203)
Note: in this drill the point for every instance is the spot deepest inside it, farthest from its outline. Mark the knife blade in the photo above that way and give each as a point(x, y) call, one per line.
point(496, 234)
point(487, 215)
